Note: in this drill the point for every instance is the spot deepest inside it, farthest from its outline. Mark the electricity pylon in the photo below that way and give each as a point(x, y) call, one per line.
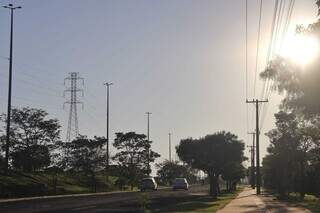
point(73, 128)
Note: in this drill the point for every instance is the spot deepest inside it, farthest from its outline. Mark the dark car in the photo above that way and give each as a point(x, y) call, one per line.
point(180, 183)
point(148, 183)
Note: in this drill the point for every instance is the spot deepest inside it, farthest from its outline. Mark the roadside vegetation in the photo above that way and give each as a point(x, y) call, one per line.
point(199, 203)
point(40, 163)
point(219, 155)
point(310, 202)
point(169, 170)
point(292, 165)
point(20, 184)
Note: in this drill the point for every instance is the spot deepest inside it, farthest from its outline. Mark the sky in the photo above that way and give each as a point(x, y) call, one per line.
point(182, 60)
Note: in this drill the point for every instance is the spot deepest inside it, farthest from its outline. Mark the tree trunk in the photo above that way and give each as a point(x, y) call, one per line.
point(94, 182)
point(213, 185)
point(234, 185)
point(302, 181)
point(55, 182)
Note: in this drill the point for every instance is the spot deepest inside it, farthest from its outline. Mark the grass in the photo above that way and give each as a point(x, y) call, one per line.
point(38, 184)
point(309, 202)
point(200, 203)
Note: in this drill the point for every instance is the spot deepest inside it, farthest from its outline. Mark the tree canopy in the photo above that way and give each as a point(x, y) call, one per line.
point(213, 154)
point(134, 155)
point(86, 156)
point(169, 170)
point(32, 137)
point(292, 163)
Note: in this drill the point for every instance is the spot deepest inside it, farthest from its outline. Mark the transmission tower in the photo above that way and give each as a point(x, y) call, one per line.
point(73, 90)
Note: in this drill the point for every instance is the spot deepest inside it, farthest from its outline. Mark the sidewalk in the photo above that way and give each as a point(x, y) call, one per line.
point(247, 201)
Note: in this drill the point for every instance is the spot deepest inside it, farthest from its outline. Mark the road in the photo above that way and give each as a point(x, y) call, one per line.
point(248, 202)
point(112, 202)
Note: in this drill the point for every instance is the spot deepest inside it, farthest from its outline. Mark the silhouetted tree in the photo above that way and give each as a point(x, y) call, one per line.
point(289, 167)
point(33, 136)
point(212, 154)
point(132, 155)
point(2, 148)
point(169, 170)
point(87, 156)
point(285, 167)
point(232, 174)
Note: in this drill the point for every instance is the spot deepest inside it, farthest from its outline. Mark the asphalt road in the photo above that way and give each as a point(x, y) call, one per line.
point(113, 202)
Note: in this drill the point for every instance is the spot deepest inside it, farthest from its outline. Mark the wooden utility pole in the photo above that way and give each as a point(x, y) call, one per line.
point(252, 147)
point(258, 175)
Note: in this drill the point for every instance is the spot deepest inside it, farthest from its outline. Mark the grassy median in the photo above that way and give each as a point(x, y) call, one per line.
point(198, 203)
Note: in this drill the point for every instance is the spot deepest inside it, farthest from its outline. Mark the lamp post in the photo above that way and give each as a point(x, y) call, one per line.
point(107, 86)
point(11, 8)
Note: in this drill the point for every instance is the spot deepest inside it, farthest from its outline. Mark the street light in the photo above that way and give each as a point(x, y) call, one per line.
point(11, 8)
point(148, 136)
point(107, 86)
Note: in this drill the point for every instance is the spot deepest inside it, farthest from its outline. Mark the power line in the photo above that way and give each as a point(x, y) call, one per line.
point(246, 49)
point(246, 64)
point(37, 85)
point(25, 72)
point(4, 58)
point(257, 51)
point(271, 44)
point(280, 41)
point(287, 22)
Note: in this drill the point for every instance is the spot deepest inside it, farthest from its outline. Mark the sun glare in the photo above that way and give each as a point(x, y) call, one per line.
point(300, 48)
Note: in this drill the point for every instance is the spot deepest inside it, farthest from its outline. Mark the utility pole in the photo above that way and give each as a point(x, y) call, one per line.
point(73, 127)
point(170, 146)
point(11, 8)
point(258, 176)
point(252, 147)
point(107, 86)
point(148, 136)
point(252, 159)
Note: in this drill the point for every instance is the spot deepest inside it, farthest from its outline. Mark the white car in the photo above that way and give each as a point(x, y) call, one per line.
point(180, 183)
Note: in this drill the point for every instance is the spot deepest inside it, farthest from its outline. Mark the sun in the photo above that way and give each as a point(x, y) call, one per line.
point(301, 49)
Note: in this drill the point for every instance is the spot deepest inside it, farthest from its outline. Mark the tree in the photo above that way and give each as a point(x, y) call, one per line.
point(33, 136)
point(212, 154)
point(86, 156)
point(291, 164)
point(232, 174)
point(133, 155)
point(2, 148)
point(299, 84)
point(286, 164)
point(169, 170)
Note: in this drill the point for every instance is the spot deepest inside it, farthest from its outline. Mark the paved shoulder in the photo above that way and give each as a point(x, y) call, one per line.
point(247, 201)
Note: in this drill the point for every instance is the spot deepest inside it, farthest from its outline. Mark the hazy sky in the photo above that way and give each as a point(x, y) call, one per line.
point(182, 60)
